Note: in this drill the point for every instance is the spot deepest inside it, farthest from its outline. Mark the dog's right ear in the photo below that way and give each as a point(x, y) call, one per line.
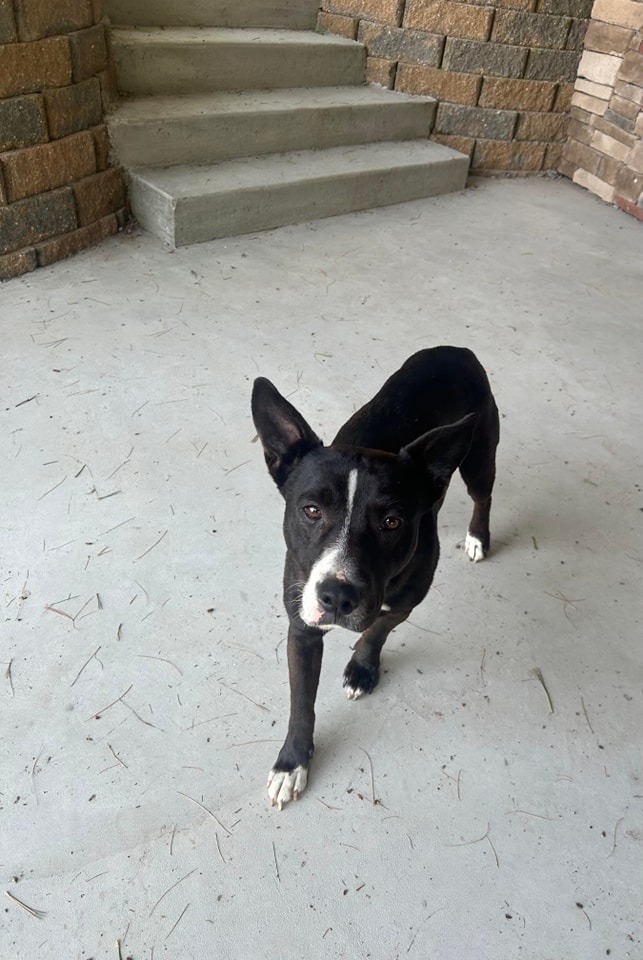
point(284, 434)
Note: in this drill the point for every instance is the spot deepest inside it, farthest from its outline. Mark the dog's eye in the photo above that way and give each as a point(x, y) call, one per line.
point(391, 523)
point(312, 511)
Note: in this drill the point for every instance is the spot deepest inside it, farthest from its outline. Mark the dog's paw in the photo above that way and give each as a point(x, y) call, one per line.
point(285, 785)
point(359, 679)
point(473, 548)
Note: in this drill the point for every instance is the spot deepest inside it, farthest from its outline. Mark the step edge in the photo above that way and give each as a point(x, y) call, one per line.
point(420, 106)
point(446, 156)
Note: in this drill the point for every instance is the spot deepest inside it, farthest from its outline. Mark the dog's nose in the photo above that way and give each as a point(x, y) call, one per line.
point(337, 598)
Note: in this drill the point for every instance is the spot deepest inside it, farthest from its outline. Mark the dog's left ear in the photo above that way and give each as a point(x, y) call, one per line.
point(442, 450)
point(284, 434)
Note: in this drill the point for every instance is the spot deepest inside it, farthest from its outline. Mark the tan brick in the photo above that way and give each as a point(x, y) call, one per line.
point(493, 155)
point(625, 13)
point(612, 130)
point(338, 24)
point(65, 246)
point(569, 8)
point(583, 156)
point(608, 169)
point(101, 145)
point(491, 59)
point(600, 90)
point(29, 67)
point(576, 36)
point(625, 108)
point(579, 131)
point(98, 7)
point(635, 161)
point(619, 120)
point(565, 167)
point(88, 52)
point(541, 126)
point(558, 65)
point(381, 71)
point(530, 29)
point(629, 184)
point(22, 122)
point(453, 19)
point(608, 145)
point(461, 144)
point(8, 32)
point(582, 116)
point(628, 91)
point(526, 5)
point(35, 170)
point(3, 191)
point(553, 156)
point(73, 108)
point(466, 121)
point(108, 86)
point(18, 263)
point(591, 104)
point(624, 124)
point(607, 37)
point(563, 99)
point(599, 67)
point(44, 18)
point(517, 94)
point(632, 68)
point(99, 195)
point(383, 11)
point(593, 183)
point(397, 44)
point(27, 222)
point(429, 81)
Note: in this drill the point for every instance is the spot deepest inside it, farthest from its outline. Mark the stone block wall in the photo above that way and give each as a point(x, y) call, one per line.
point(604, 151)
point(58, 191)
point(503, 71)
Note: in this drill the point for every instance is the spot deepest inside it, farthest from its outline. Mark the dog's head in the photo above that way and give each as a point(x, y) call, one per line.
point(352, 515)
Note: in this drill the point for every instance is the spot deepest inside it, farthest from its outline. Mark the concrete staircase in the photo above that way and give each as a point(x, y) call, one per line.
point(238, 117)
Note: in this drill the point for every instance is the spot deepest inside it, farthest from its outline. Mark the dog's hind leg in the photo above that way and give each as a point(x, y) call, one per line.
point(478, 470)
point(362, 671)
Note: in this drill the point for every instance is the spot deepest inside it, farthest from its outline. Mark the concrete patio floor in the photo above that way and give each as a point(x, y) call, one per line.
point(466, 810)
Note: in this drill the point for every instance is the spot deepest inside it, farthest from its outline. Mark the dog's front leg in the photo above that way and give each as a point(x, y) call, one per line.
point(289, 775)
point(362, 671)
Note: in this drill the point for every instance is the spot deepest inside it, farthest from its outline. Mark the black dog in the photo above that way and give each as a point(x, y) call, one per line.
point(361, 519)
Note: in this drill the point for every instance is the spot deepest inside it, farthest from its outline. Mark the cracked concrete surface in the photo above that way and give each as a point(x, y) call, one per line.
point(486, 801)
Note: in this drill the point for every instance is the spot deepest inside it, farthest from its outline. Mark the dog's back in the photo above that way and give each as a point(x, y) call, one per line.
point(434, 387)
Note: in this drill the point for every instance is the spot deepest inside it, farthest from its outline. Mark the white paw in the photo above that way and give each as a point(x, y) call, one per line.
point(353, 693)
point(473, 548)
point(284, 785)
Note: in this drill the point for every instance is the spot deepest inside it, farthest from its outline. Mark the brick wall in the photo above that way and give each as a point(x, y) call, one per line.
point(58, 192)
point(604, 151)
point(503, 71)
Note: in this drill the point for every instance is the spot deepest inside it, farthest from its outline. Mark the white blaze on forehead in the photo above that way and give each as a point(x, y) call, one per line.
point(331, 563)
point(352, 487)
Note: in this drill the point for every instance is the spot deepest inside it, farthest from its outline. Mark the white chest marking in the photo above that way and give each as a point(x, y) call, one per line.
point(332, 562)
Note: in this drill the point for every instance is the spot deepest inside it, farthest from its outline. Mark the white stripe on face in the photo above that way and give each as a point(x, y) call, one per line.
point(331, 563)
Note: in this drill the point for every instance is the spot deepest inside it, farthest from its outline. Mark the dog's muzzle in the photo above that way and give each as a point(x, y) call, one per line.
point(338, 603)
point(337, 600)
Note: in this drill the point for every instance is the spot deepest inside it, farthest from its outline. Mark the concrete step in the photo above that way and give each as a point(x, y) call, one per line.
point(191, 204)
point(184, 60)
point(210, 128)
point(290, 14)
